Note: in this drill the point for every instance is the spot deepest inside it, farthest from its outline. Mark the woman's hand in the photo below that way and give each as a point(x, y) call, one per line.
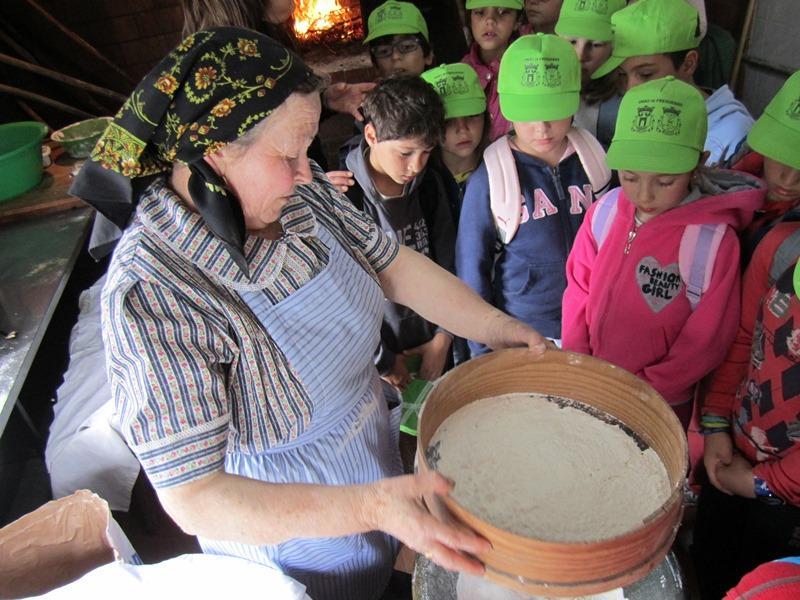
point(341, 180)
point(346, 98)
point(434, 355)
point(511, 333)
point(399, 376)
point(717, 453)
point(396, 507)
point(736, 478)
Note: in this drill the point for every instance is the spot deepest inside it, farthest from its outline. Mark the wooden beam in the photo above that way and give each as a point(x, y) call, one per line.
point(14, 91)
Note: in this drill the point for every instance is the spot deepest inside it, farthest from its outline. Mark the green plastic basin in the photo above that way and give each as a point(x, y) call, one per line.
point(20, 157)
point(78, 139)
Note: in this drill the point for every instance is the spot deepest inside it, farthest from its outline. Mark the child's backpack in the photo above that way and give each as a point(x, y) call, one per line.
point(504, 191)
point(696, 255)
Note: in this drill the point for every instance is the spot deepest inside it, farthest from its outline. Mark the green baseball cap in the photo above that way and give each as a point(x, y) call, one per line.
point(590, 19)
point(776, 133)
point(393, 18)
point(651, 27)
point(515, 4)
point(661, 128)
point(459, 88)
point(540, 79)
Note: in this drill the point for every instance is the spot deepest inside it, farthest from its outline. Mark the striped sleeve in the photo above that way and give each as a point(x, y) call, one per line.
point(361, 231)
point(168, 366)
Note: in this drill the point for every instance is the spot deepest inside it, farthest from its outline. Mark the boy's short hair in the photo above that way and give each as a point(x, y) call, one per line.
point(405, 106)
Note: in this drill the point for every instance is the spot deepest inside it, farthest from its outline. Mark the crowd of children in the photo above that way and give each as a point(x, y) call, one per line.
point(501, 169)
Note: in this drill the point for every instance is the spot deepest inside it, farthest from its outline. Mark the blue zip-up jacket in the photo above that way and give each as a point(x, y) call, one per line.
point(525, 278)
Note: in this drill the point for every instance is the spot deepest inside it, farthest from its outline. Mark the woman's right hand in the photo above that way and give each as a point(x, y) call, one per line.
point(397, 508)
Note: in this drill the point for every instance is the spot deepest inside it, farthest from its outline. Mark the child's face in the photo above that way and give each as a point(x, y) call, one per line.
point(641, 69)
point(782, 180)
point(493, 26)
point(654, 193)
point(543, 14)
point(462, 135)
point(400, 55)
point(400, 160)
point(541, 138)
point(591, 54)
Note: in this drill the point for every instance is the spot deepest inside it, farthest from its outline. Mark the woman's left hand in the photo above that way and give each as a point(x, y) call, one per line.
point(434, 356)
point(346, 98)
point(737, 477)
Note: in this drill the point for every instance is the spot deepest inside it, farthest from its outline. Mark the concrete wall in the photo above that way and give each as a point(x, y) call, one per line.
point(774, 49)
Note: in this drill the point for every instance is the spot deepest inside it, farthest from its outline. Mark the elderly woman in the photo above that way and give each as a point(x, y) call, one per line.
point(241, 312)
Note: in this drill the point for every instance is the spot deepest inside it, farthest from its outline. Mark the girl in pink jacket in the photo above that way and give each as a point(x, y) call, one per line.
point(653, 277)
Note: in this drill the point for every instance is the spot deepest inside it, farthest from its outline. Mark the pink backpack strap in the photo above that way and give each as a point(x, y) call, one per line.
point(696, 258)
point(603, 216)
point(592, 157)
point(505, 196)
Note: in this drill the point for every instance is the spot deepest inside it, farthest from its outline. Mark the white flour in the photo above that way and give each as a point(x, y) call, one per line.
point(528, 466)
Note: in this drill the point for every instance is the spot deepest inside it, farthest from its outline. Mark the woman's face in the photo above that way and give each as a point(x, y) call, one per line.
point(278, 11)
point(591, 54)
point(462, 135)
point(264, 173)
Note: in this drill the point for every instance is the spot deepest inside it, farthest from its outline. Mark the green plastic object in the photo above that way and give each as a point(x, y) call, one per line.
point(20, 157)
point(79, 139)
point(414, 396)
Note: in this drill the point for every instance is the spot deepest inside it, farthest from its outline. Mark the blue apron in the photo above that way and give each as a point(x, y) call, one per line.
point(329, 330)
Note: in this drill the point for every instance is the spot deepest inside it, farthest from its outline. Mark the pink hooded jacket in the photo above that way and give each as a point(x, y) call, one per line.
point(498, 125)
point(631, 309)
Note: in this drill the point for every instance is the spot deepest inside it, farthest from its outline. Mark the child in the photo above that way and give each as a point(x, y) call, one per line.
point(775, 138)
point(657, 38)
point(750, 512)
point(464, 127)
point(493, 24)
point(398, 39)
point(404, 121)
point(513, 239)
point(541, 16)
point(587, 26)
point(653, 278)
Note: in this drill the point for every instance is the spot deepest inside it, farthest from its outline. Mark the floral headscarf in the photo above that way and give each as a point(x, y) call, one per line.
point(209, 91)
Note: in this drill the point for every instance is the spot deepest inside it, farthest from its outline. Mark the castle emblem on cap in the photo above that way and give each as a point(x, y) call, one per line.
point(552, 78)
point(794, 110)
point(456, 85)
point(670, 121)
point(597, 6)
point(530, 76)
point(643, 122)
point(395, 12)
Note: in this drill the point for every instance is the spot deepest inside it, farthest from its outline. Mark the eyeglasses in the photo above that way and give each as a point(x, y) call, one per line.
point(403, 47)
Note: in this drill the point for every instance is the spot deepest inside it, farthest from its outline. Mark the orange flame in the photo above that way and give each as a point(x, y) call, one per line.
point(312, 17)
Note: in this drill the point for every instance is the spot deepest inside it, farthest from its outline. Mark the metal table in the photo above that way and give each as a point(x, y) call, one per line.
point(36, 259)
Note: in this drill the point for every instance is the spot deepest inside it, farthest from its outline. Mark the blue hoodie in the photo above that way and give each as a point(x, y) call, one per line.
point(525, 278)
point(728, 126)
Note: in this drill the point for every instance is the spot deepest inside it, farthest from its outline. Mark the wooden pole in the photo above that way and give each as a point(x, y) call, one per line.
point(73, 81)
point(743, 42)
point(80, 41)
point(31, 113)
point(14, 91)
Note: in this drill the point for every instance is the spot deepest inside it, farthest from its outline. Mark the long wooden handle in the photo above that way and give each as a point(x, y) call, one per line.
point(15, 91)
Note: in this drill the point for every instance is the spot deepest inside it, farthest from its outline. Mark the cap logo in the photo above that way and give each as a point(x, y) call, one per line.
point(596, 6)
point(643, 122)
point(794, 110)
point(530, 76)
point(552, 77)
point(395, 12)
point(452, 87)
point(670, 122)
point(380, 15)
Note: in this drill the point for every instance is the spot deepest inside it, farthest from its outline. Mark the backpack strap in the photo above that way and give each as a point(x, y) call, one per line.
point(785, 255)
point(603, 216)
point(592, 157)
point(505, 196)
point(607, 118)
point(696, 258)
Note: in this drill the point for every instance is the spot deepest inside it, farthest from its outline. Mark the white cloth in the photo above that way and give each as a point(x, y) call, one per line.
point(84, 449)
point(195, 576)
